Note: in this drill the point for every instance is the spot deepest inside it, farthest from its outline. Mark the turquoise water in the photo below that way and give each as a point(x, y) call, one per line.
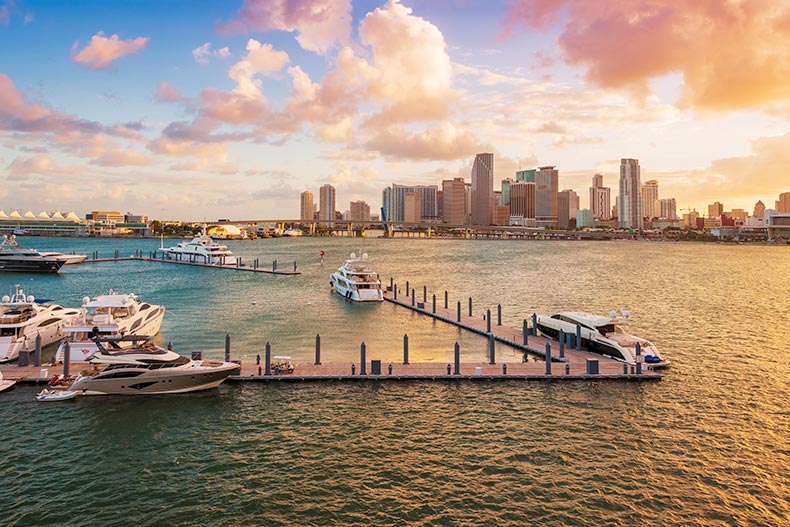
point(708, 445)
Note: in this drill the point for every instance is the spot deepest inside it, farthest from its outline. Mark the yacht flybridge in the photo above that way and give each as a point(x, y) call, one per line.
point(145, 368)
point(22, 318)
point(603, 335)
point(357, 281)
point(114, 315)
point(202, 249)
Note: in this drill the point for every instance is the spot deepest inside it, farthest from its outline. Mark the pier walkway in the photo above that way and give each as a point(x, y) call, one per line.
point(151, 257)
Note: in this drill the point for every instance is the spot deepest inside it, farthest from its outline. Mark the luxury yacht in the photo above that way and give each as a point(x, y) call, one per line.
point(70, 259)
point(355, 280)
point(146, 369)
point(114, 315)
point(603, 335)
point(15, 258)
point(22, 318)
point(202, 249)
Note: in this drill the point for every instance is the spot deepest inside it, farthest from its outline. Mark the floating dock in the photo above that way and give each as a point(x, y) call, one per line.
point(240, 266)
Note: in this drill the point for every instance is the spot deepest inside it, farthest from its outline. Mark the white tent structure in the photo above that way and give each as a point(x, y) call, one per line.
point(15, 215)
point(29, 215)
point(3, 215)
point(57, 216)
point(43, 215)
point(73, 217)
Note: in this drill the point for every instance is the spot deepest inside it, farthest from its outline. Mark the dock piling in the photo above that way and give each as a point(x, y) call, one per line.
point(389, 369)
point(227, 347)
point(268, 358)
point(395, 292)
point(448, 369)
point(525, 332)
point(578, 337)
point(499, 314)
point(434, 304)
point(470, 306)
point(362, 360)
point(294, 266)
point(504, 368)
point(567, 368)
point(459, 311)
point(488, 321)
point(66, 359)
point(258, 359)
point(37, 355)
point(548, 358)
point(445, 300)
point(413, 298)
point(534, 324)
point(424, 294)
point(407, 288)
point(317, 349)
point(457, 358)
point(405, 349)
point(562, 339)
point(491, 349)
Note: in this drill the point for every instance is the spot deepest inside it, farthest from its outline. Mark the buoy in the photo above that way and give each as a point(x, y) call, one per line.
point(254, 302)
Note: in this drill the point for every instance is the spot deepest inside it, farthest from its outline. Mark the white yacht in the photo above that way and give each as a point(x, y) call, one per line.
point(355, 280)
point(22, 318)
point(17, 259)
point(603, 335)
point(202, 249)
point(146, 369)
point(293, 232)
point(115, 315)
point(69, 259)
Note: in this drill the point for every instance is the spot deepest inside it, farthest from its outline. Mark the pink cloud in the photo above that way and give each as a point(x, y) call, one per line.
point(444, 142)
point(204, 53)
point(320, 24)
point(102, 51)
point(165, 92)
point(733, 55)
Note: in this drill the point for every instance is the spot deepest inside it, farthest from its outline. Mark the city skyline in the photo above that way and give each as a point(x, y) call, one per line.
point(188, 111)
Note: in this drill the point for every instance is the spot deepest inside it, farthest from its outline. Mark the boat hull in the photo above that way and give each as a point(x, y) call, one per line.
point(356, 295)
point(32, 265)
point(155, 382)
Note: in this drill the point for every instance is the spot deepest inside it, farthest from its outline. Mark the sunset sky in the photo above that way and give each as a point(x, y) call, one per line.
point(193, 110)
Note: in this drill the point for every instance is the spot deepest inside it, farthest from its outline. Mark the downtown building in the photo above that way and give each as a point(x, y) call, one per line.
point(629, 201)
point(394, 199)
point(307, 207)
point(359, 211)
point(567, 205)
point(454, 209)
point(600, 199)
point(326, 203)
point(667, 209)
point(650, 204)
point(546, 180)
point(522, 204)
point(483, 189)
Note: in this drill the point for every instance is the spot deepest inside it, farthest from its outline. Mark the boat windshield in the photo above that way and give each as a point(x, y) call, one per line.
point(610, 328)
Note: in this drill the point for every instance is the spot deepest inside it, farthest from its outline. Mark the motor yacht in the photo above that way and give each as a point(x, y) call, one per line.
point(201, 249)
point(22, 318)
point(293, 232)
point(114, 315)
point(357, 281)
point(145, 368)
point(70, 259)
point(15, 258)
point(603, 335)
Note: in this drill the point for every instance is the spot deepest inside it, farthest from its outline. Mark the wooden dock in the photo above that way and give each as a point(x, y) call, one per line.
point(255, 268)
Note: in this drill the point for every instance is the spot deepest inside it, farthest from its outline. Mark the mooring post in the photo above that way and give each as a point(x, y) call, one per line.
point(578, 337)
point(392, 282)
point(459, 311)
point(562, 342)
point(267, 356)
point(434, 304)
point(294, 266)
point(488, 321)
point(37, 355)
point(407, 288)
point(457, 358)
point(258, 359)
point(413, 298)
point(499, 314)
point(395, 292)
point(362, 363)
point(445, 300)
point(470, 306)
point(317, 349)
point(504, 368)
point(567, 368)
point(66, 359)
point(534, 324)
point(227, 347)
point(525, 333)
point(548, 358)
point(405, 349)
point(638, 358)
point(424, 294)
point(491, 349)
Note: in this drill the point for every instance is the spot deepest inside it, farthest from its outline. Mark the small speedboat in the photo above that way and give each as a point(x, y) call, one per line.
point(54, 394)
point(5, 384)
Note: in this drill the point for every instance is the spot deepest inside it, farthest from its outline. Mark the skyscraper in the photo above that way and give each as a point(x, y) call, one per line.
point(359, 211)
point(667, 209)
point(546, 187)
point(307, 206)
point(483, 189)
point(715, 210)
point(650, 199)
point(454, 201)
point(522, 201)
point(759, 209)
point(567, 205)
point(506, 190)
point(393, 201)
point(783, 203)
point(326, 199)
point(600, 199)
point(629, 201)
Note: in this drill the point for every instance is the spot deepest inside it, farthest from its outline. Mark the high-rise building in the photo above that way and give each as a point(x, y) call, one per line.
point(501, 215)
point(650, 199)
point(412, 206)
point(783, 203)
point(667, 209)
point(506, 190)
point(307, 206)
point(393, 200)
point(759, 209)
point(359, 211)
point(546, 187)
point(526, 176)
point(483, 189)
point(454, 201)
point(584, 218)
point(326, 199)
point(567, 205)
point(715, 210)
point(522, 201)
point(629, 201)
point(600, 199)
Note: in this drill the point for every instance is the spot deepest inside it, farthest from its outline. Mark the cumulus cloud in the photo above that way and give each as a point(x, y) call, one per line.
point(42, 165)
point(443, 142)
point(732, 55)
point(103, 51)
point(260, 59)
point(204, 53)
point(320, 24)
point(165, 92)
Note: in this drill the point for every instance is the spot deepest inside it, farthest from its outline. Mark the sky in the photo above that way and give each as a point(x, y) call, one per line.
point(202, 110)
